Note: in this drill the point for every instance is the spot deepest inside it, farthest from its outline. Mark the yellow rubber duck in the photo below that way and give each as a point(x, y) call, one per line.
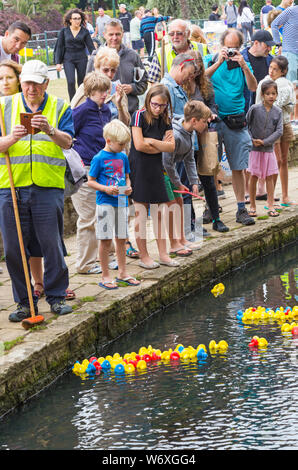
point(218, 289)
point(286, 327)
point(212, 345)
point(129, 368)
point(263, 343)
point(222, 345)
point(141, 365)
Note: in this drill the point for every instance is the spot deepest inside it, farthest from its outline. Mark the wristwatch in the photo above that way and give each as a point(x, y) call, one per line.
point(52, 130)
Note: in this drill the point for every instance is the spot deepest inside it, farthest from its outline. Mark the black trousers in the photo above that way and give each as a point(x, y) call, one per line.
point(149, 39)
point(70, 68)
point(210, 192)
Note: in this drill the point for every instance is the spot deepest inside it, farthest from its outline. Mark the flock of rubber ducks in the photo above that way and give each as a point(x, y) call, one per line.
point(133, 362)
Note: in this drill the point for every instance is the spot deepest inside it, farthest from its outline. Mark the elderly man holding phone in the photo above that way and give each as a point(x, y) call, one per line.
point(38, 166)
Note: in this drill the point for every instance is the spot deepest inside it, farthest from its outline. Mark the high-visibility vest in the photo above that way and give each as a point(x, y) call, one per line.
point(170, 54)
point(35, 159)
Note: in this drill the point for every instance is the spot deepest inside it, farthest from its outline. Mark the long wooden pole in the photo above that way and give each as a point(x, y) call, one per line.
point(18, 223)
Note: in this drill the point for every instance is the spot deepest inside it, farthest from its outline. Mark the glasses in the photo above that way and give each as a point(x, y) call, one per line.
point(159, 106)
point(78, 18)
point(177, 33)
point(108, 69)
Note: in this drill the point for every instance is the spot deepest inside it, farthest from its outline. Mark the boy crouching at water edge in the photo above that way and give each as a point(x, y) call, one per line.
point(196, 115)
point(109, 175)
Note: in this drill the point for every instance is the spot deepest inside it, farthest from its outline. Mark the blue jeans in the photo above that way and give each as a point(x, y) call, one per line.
point(41, 208)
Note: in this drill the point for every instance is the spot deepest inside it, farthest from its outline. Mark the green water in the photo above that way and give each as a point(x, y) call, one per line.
point(244, 399)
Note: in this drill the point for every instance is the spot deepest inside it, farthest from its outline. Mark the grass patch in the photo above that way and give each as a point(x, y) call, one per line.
point(10, 344)
point(88, 298)
point(263, 217)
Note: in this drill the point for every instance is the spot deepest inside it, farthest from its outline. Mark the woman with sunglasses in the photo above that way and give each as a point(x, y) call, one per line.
point(106, 62)
point(70, 49)
point(152, 134)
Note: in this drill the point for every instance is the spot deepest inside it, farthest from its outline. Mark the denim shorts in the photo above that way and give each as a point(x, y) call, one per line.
point(292, 74)
point(237, 144)
point(111, 222)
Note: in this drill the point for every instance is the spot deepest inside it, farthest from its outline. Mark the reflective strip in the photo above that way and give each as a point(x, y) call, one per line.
point(34, 158)
point(7, 113)
point(15, 160)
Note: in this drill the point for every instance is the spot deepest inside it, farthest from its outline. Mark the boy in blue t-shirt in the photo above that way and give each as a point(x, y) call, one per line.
point(109, 175)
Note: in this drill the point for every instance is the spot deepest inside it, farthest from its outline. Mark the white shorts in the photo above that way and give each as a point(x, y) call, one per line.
point(111, 222)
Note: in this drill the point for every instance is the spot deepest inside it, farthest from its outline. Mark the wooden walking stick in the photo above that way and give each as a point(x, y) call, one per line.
point(162, 65)
point(34, 319)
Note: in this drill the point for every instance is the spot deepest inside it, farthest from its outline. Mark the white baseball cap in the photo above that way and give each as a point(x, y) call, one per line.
point(122, 5)
point(34, 71)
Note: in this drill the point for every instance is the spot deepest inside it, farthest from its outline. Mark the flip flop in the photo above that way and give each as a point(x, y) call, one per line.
point(105, 285)
point(276, 207)
point(273, 213)
point(70, 295)
point(127, 280)
point(39, 292)
point(252, 213)
point(131, 252)
point(192, 247)
point(187, 252)
point(288, 204)
point(263, 197)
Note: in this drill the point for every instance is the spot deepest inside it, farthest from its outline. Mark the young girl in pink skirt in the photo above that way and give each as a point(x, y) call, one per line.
point(265, 125)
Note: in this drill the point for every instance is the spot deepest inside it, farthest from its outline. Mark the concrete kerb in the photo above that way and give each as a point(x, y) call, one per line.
point(45, 354)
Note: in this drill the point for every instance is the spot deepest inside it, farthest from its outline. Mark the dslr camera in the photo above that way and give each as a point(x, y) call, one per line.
point(231, 52)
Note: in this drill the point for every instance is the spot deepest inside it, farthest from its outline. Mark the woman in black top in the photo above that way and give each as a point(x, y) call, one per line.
point(70, 49)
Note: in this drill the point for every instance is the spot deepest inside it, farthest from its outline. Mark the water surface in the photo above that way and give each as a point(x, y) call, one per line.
point(239, 400)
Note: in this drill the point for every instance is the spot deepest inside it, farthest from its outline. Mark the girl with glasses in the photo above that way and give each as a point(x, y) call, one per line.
point(152, 134)
point(70, 49)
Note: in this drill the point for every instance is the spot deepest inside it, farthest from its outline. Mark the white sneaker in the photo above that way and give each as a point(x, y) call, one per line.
point(96, 269)
point(113, 264)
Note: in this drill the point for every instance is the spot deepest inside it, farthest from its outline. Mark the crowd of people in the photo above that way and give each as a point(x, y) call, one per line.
point(141, 160)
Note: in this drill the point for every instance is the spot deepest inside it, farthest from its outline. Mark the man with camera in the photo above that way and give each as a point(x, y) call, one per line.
point(229, 73)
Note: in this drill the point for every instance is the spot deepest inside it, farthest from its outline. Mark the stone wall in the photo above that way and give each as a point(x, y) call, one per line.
point(47, 353)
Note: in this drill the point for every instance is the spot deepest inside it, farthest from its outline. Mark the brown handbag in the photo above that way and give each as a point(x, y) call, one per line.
point(208, 163)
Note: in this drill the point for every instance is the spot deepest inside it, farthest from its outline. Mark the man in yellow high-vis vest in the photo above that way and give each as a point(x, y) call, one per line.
point(38, 167)
point(179, 34)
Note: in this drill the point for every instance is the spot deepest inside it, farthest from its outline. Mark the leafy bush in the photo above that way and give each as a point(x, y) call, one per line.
point(50, 21)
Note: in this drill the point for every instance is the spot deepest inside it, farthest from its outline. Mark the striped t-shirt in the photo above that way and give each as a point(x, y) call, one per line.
point(289, 20)
point(148, 23)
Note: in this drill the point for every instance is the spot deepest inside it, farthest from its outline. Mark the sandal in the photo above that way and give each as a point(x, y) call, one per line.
point(109, 285)
point(38, 292)
point(273, 213)
point(131, 252)
point(252, 213)
point(181, 252)
point(128, 281)
point(70, 295)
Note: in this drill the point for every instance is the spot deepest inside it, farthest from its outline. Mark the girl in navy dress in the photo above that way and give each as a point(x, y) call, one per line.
point(152, 134)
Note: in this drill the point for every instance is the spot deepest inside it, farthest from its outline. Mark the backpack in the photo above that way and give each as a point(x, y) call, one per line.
point(75, 172)
point(235, 10)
